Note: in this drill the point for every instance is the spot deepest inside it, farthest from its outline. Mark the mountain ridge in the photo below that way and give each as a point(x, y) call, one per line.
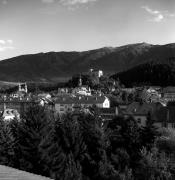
point(53, 66)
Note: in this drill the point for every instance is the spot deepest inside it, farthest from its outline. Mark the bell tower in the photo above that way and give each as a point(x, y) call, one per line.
point(80, 81)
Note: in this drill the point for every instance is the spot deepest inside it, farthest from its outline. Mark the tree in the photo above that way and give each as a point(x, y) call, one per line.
point(64, 149)
point(149, 133)
point(33, 126)
point(7, 144)
point(153, 166)
point(97, 164)
point(124, 140)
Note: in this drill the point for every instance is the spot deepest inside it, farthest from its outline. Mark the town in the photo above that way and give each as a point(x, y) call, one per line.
point(91, 127)
point(110, 101)
point(87, 90)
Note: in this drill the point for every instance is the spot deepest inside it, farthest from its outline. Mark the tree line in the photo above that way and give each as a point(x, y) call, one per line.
point(83, 148)
point(150, 74)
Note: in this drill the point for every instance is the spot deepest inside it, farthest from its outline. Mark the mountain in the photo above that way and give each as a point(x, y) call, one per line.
point(56, 66)
point(151, 73)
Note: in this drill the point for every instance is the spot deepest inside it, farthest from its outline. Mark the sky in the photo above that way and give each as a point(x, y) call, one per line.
point(34, 26)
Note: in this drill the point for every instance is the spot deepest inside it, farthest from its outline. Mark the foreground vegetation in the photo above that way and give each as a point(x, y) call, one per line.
point(71, 148)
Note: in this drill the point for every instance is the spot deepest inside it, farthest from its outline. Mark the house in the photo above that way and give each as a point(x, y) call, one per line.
point(9, 114)
point(168, 93)
point(83, 90)
point(96, 73)
point(21, 92)
point(140, 111)
point(44, 99)
point(165, 116)
point(107, 114)
point(67, 103)
point(22, 87)
point(16, 103)
point(44, 95)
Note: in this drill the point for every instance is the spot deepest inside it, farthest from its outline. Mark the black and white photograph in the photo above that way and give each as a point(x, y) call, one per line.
point(87, 89)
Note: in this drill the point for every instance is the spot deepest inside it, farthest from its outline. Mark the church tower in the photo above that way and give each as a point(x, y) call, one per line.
point(22, 87)
point(80, 81)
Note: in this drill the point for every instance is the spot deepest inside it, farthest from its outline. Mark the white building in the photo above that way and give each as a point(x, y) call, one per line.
point(83, 90)
point(69, 104)
point(9, 114)
point(97, 73)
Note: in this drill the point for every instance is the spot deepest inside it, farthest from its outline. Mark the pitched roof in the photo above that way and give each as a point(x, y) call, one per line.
point(9, 173)
point(107, 110)
point(169, 89)
point(80, 100)
point(137, 108)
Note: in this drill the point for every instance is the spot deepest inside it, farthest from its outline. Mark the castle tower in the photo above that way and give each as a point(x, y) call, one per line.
point(19, 87)
point(22, 87)
point(80, 81)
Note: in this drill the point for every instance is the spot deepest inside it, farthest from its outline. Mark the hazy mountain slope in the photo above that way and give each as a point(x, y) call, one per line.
point(56, 65)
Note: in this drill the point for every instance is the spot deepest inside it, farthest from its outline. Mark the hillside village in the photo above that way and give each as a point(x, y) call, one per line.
point(109, 99)
point(92, 116)
point(87, 90)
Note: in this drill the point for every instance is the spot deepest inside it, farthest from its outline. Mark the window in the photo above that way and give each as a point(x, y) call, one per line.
point(139, 120)
point(61, 109)
point(69, 109)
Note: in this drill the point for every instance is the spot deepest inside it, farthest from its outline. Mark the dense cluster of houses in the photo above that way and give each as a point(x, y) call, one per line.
point(156, 102)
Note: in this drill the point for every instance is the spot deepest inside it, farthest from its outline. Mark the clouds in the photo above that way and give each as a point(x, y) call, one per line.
point(68, 2)
point(157, 16)
point(53, 6)
point(6, 45)
point(75, 2)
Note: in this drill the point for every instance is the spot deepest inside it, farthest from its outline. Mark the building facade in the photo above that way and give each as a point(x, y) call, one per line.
point(69, 104)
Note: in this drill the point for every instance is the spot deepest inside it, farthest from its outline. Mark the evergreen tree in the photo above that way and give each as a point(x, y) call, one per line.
point(153, 166)
point(124, 137)
point(33, 126)
point(149, 133)
point(7, 144)
point(14, 125)
point(96, 165)
point(64, 149)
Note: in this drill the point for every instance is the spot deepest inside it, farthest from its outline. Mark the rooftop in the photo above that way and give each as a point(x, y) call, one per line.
point(137, 108)
point(169, 89)
point(80, 99)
